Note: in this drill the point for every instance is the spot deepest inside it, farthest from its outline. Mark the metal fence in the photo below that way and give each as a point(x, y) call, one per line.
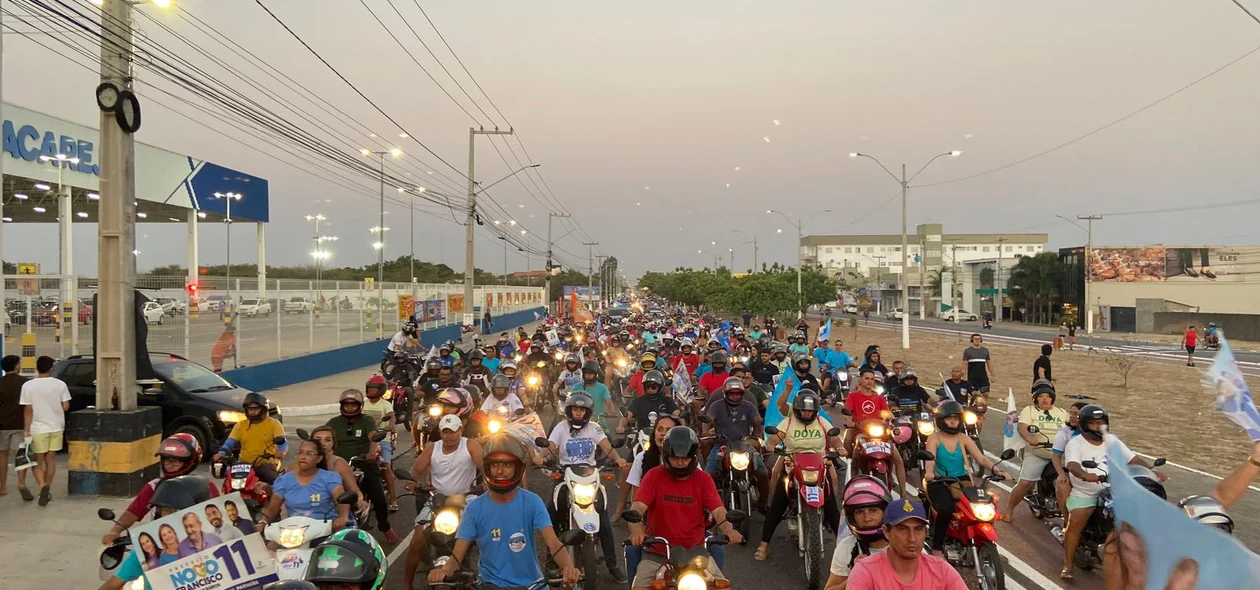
point(285, 318)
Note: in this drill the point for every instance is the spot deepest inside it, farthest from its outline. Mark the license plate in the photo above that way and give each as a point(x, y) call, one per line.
point(812, 493)
point(240, 470)
point(876, 447)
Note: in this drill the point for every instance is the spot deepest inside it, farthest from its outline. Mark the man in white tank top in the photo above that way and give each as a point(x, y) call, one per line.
point(452, 464)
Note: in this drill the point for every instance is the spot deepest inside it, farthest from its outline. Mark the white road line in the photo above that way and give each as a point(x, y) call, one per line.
point(401, 548)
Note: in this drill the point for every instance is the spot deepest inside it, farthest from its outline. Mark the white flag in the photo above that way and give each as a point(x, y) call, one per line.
point(433, 353)
point(1011, 438)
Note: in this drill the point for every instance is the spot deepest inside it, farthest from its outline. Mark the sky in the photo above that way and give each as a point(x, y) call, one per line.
point(665, 126)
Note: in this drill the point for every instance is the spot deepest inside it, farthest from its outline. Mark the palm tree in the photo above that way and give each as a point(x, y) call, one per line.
point(1034, 285)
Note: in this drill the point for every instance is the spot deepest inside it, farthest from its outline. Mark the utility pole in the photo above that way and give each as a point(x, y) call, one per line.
point(879, 284)
point(590, 266)
point(754, 268)
point(471, 223)
point(547, 289)
point(1089, 249)
point(923, 296)
point(603, 279)
point(953, 282)
point(997, 283)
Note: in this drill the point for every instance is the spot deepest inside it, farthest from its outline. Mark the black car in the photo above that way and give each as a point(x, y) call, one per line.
point(193, 399)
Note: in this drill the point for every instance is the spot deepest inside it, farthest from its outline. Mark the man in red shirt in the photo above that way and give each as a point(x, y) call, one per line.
point(713, 380)
point(646, 363)
point(674, 497)
point(690, 359)
point(1189, 341)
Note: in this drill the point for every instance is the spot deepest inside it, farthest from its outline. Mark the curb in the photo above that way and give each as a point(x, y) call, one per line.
point(310, 410)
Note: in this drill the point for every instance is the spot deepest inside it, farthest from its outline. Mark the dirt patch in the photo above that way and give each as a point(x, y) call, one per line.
point(1165, 411)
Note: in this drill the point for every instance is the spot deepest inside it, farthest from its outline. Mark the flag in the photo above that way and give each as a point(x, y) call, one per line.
point(681, 384)
point(825, 333)
point(599, 325)
point(724, 335)
point(1233, 398)
point(537, 317)
point(433, 353)
point(580, 313)
point(1011, 438)
point(788, 385)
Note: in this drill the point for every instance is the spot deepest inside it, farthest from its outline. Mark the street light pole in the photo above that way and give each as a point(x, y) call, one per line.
point(800, 229)
point(470, 224)
point(905, 262)
point(547, 288)
point(380, 254)
point(590, 266)
point(230, 304)
point(1089, 248)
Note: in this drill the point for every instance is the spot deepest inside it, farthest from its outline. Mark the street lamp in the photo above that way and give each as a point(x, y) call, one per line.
point(319, 254)
point(380, 246)
point(412, 204)
point(227, 247)
point(800, 226)
point(528, 279)
point(905, 260)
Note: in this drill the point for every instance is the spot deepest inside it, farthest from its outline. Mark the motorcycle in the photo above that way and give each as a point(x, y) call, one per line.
point(399, 393)
point(913, 434)
point(447, 513)
point(808, 484)
point(736, 486)
point(1042, 500)
point(242, 477)
point(467, 579)
point(586, 497)
point(296, 538)
point(1101, 523)
point(971, 540)
point(113, 554)
point(621, 381)
point(873, 451)
point(971, 426)
point(356, 468)
point(684, 569)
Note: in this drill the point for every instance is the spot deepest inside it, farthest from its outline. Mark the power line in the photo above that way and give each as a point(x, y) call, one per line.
point(435, 58)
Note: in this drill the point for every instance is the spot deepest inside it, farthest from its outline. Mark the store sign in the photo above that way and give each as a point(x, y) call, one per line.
point(28, 143)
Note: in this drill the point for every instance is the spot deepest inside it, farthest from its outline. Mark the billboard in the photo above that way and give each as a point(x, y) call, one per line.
point(1186, 264)
point(583, 292)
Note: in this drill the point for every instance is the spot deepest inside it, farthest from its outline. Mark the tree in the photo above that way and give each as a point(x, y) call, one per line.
point(936, 282)
point(1034, 285)
point(986, 278)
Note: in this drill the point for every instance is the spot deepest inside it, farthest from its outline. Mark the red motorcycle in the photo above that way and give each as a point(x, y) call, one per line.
point(873, 451)
point(808, 486)
point(971, 540)
point(242, 477)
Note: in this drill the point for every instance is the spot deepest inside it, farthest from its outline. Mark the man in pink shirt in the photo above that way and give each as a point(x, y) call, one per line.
point(904, 566)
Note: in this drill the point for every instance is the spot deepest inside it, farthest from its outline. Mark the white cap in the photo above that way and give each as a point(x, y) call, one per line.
point(450, 422)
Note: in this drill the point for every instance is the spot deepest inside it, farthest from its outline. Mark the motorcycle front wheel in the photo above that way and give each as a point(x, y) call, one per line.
point(812, 531)
point(989, 570)
point(590, 572)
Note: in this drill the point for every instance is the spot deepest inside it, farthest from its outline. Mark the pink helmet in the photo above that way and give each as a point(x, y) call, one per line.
point(457, 397)
point(864, 491)
point(901, 434)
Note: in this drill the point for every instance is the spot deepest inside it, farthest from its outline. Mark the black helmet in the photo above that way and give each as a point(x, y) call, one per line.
point(500, 381)
point(680, 442)
point(949, 408)
point(476, 355)
point(433, 365)
point(654, 377)
point(410, 328)
point(255, 399)
point(1089, 414)
point(718, 357)
point(579, 399)
point(1147, 478)
point(591, 366)
point(1041, 386)
point(181, 492)
point(806, 401)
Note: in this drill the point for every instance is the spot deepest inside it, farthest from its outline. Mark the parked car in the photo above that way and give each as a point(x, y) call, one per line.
point(85, 313)
point(251, 308)
point(153, 313)
point(211, 303)
point(850, 308)
point(959, 315)
point(171, 305)
point(193, 398)
point(837, 304)
point(894, 314)
point(299, 305)
point(43, 312)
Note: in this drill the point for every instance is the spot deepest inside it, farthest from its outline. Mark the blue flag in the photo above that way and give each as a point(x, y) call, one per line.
point(825, 333)
point(599, 325)
point(787, 384)
point(724, 335)
point(1225, 381)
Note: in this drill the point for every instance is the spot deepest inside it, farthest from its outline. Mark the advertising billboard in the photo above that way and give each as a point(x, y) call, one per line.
point(1184, 264)
point(583, 292)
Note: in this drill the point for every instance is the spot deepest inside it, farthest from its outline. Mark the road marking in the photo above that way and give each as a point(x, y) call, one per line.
point(402, 546)
point(310, 410)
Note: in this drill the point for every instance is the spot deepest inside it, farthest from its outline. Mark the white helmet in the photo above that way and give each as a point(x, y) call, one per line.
point(1209, 511)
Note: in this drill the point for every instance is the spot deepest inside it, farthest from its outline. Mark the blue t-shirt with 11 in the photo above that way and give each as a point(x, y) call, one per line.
point(504, 534)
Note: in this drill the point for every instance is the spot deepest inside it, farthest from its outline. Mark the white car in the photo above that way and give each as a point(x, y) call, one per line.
point(850, 308)
point(299, 305)
point(153, 313)
point(960, 315)
point(255, 307)
point(171, 305)
point(894, 314)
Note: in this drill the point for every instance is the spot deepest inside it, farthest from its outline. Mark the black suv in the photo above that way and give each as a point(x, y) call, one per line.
point(193, 399)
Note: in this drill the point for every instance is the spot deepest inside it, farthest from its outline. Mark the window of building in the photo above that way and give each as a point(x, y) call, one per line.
point(870, 249)
point(1009, 248)
point(848, 250)
point(984, 249)
point(829, 249)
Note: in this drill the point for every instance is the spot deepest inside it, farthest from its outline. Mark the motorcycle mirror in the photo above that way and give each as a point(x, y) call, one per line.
point(1089, 464)
point(632, 516)
point(735, 516)
point(572, 537)
point(1032, 429)
point(279, 440)
point(1160, 462)
point(925, 456)
point(348, 498)
point(705, 419)
point(771, 430)
point(379, 436)
point(833, 432)
point(303, 434)
point(105, 514)
point(521, 412)
point(1008, 454)
point(542, 442)
point(218, 469)
point(846, 411)
point(617, 443)
point(403, 474)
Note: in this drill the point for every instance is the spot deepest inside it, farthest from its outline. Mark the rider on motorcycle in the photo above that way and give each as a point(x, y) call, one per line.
point(647, 363)
point(673, 499)
point(908, 395)
point(256, 436)
point(180, 455)
point(638, 415)
point(452, 462)
point(805, 429)
point(780, 359)
point(605, 405)
point(736, 418)
point(574, 441)
point(477, 375)
point(503, 522)
point(951, 449)
point(798, 344)
point(353, 430)
point(863, 500)
point(763, 371)
point(690, 359)
point(168, 497)
point(444, 354)
point(867, 405)
point(713, 380)
point(405, 340)
point(1048, 418)
point(571, 376)
point(382, 410)
point(500, 395)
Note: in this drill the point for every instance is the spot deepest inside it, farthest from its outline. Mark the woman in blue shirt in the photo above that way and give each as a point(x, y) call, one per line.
point(308, 490)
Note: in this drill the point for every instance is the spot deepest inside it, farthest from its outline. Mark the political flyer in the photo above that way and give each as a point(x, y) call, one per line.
point(210, 546)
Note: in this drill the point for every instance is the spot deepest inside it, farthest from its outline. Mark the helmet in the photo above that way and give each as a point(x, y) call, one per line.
point(780, 349)
point(806, 401)
point(456, 396)
point(499, 449)
point(183, 446)
point(1210, 325)
point(1088, 414)
point(647, 358)
point(718, 357)
point(476, 355)
point(949, 408)
point(507, 364)
point(433, 365)
point(375, 384)
point(410, 328)
point(572, 358)
point(1147, 479)
point(446, 346)
point(864, 491)
point(799, 358)
point(733, 385)
point(1041, 386)
point(655, 377)
point(909, 373)
point(353, 396)
point(1207, 510)
point(500, 382)
point(680, 442)
point(579, 399)
point(255, 399)
point(181, 492)
point(349, 556)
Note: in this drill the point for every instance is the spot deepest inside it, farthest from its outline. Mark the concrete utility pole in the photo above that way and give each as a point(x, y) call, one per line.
point(754, 268)
point(471, 223)
point(603, 280)
point(547, 289)
point(923, 295)
point(1089, 248)
point(590, 268)
point(953, 282)
point(997, 283)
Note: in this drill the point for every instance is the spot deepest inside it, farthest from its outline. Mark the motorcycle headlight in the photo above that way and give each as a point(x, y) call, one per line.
point(292, 536)
point(926, 428)
point(984, 511)
point(517, 358)
point(875, 431)
point(809, 476)
point(879, 389)
point(541, 364)
point(435, 411)
point(389, 394)
point(559, 356)
point(231, 416)
point(739, 460)
point(969, 418)
point(495, 426)
point(532, 381)
point(238, 483)
point(692, 581)
point(583, 494)
point(577, 338)
point(446, 522)
point(621, 363)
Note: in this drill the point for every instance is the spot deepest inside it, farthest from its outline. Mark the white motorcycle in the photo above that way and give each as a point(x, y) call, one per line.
point(296, 538)
point(586, 498)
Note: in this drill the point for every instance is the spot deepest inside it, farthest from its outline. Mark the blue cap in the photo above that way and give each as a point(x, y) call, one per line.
point(900, 510)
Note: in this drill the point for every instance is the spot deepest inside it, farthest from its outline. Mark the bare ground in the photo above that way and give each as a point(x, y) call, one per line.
point(1165, 410)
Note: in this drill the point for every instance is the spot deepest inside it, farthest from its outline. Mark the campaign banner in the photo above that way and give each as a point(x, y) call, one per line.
point(210, 546)
point(406, 307)
point(583, 292)
point(500, 299)
point(434, 311)
point(455, 303)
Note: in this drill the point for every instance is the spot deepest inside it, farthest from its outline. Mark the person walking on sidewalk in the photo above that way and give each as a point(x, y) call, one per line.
point(45, 401)
point(11, 423)
point(979, 365)
point(1189, 340)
